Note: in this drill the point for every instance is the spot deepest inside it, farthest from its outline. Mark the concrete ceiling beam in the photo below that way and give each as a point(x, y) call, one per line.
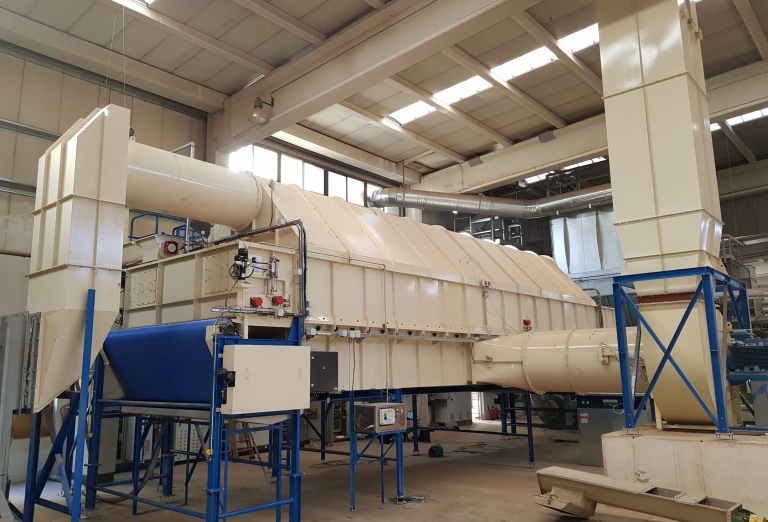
point(449, 110)
point(730, 94)
point(192, 36)
point(45, 40)
point(753, 26)
point(405, 33)
point(546, 38)
point(390, 125)
point(340, 151)
point(278, 17)
point(474, 66)
point(738, 142)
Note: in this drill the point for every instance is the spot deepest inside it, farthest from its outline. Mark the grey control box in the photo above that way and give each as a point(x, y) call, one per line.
point(380, 417)
point(324, 372)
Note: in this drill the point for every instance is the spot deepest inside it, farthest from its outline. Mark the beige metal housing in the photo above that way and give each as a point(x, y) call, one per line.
point(577, 492)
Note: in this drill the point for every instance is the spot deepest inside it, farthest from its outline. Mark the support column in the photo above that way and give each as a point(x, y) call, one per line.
point(665, 195)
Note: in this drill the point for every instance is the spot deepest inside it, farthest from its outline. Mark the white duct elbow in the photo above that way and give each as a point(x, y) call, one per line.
point(567, 361)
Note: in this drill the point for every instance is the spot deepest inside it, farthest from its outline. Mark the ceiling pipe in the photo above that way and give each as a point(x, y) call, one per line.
point(502, 207)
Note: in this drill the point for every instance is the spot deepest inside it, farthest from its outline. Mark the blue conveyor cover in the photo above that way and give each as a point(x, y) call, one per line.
point(163, 363)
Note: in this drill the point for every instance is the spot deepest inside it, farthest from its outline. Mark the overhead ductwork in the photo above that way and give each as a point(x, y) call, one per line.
point(503, 207)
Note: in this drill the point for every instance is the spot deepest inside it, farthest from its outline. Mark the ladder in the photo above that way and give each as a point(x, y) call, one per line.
point(240, 444)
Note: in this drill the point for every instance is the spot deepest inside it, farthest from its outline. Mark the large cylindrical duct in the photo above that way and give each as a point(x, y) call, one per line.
point(567, 361)
point(503, 207)
point(160, 181)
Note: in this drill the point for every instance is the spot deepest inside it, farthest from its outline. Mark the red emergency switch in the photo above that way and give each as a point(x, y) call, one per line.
point(256, 302)
point(278, 300)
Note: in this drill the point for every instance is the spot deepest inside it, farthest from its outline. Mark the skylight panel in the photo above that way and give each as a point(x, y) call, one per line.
point(735, 121)
point(570, 167)
point(412, 112)
point(463, 90)
point(598, 160)
point(525, 63)
point(579, 40)
point(713, 127)
point(752, 115)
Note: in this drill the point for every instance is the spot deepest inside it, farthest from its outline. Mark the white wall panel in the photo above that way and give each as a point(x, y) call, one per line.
point(10, 86)
point(49, 99)
point(78, 98)
point(28, 152)
point(7, 151)
point(177, 129)
point(41, 97)
point(14, 270)
point(147, 123)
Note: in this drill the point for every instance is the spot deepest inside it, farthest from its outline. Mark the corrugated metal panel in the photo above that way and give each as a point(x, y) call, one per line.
point(279, 48)
point(10, 86)
point(41, 97)
point(218, 17)
point(331, 15)
point(91, 27)
point(231, 78)
point(201, 67)
point(181, 10)
point(170, 53)
point(585, 243)
point(59, 14)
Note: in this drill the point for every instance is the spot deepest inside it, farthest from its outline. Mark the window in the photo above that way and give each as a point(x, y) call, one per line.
point(242, 159)
point(286, 169)
point(337, 185)
point(291, 171)
point(265, 163)
point(314, 178)
point(355, 191)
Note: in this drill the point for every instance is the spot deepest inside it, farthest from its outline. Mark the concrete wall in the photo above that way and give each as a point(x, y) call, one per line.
point(50, 96)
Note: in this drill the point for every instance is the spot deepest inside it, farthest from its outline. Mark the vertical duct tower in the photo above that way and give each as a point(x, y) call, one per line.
point(666, 205)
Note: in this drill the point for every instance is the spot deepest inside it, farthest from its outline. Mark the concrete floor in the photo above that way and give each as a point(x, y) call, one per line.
point(481, 478)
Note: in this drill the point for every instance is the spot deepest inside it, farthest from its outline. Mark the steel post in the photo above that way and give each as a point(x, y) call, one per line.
point(323, 424)
point(94, 447)
point(352, 449)
point(503, 408)
point(415, 403)
point(400, 454)
point(137, 447)
point(33, 458)
point(82, 425)
point(621, 335)
point(529, 422)
point(213, 489)
point(707, 282)
point(295, 473)
point(166, 462)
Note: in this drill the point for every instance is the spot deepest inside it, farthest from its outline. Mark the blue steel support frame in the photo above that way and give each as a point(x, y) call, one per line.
point(710, 281)
point(65, 442)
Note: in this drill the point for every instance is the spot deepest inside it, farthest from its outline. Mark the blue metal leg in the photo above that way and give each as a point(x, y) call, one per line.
point(503, 408)
point(714, 351)
point(213, 489)
point(166, 462)
point(295, 476)
point(400, 455)
point(323, 425)
point(94, 447)
point(381, 465)
point(529, 427)
point(352, 449)
point(137, 447)
point(621, 335)
point(415, 401)
point(32, 462)
point(279, 483)
point(83, 409)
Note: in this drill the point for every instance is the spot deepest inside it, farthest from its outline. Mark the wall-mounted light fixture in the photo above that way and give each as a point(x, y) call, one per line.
point(259, 115)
